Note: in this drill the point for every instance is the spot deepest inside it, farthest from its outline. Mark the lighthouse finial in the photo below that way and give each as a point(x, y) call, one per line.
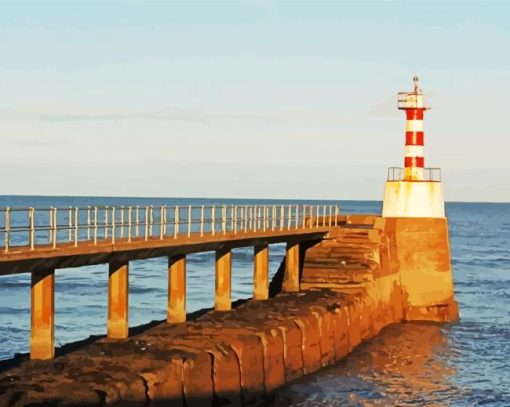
point(415, 81)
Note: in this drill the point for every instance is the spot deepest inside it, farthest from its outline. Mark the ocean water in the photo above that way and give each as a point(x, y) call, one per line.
point(467, 363)
point(461, 364)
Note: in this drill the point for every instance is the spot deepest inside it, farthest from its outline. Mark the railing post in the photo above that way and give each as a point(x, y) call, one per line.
point(250, 218)
point(31, 217)
point(95, 225)
point(146, 229)
point(106, 222)
point(303, 211)
point(118, 293)
point(151, 220)
point(76, 226)
point(55, 228)
point(245, 218)
point(317, 217)
point(291, 275)
point(234, 216)
point(248, 224)
point(176, 221)
point(42, 319)
point(273, 218)
point(224, 219)
point(282, 216)
point(297, 216)
point(137, 221)
point(252, 222)
point(88, 222)
point(336, 215)
point(176, 308)
point(213, 219)
point(50, 230)
point(231, 218)
point(70, 224)
point(130, 212)
point(162, 222)
point(264, 217)
point(222, 300)
point(7, 236)
point(202, 210)
point(260, 272)
point(113, 224)
point(189, 220)
point(122, 221)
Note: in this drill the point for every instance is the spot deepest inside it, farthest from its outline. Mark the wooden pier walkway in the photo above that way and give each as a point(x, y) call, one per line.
point(41, 240)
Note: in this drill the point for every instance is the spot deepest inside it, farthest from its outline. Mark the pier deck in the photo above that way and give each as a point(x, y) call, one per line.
point(41, 240)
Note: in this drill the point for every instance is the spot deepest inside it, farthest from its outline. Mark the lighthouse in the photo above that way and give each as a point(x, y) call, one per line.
point(413, 191)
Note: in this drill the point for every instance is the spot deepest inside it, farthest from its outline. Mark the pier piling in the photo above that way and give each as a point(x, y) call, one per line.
point(118, 288)
point(176, 311)
point(260, 269)
point(42, 344)
point(291, 276)
point(222, 300)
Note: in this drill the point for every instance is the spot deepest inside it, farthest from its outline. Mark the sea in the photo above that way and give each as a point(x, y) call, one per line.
point(465, 363)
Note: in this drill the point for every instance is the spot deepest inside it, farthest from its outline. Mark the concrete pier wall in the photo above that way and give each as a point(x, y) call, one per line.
point(394, 259)
point(236, 357)
point(367, 274)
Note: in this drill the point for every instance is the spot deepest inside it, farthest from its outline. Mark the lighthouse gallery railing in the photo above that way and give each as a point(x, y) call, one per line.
point(428, 174)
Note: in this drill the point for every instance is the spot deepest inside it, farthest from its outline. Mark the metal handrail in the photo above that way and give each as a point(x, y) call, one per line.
point(409, 100)
point(429, 174)
point(53, 226)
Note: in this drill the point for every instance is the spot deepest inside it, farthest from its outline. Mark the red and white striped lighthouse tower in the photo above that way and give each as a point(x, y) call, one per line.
point(414, 160)
point(413, 191)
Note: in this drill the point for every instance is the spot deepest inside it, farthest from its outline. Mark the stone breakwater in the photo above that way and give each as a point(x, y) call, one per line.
point(365, 275)
point(221, 358)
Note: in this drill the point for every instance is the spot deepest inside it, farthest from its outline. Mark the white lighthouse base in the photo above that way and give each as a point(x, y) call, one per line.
point(413, 199)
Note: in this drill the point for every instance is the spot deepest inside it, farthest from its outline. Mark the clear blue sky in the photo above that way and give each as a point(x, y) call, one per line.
point(249, 99)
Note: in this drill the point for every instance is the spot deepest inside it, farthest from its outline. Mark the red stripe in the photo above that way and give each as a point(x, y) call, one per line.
point(415, 114)
point(414, 138)
point(414, 162)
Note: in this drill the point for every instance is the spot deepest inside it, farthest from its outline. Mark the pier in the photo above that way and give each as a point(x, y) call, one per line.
point(344, 278)
point(40, 240)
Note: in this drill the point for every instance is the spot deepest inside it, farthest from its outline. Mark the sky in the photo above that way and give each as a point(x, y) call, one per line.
point(250, 99)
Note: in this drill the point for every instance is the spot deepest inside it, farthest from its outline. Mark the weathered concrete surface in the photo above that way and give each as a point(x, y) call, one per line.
point(236, 357)
point(375, 254)
point(367, 274)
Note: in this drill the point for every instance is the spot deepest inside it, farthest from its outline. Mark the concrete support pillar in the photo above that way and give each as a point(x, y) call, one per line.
point(118, 290)
point(260, 272)
point(291, 276)
point(42, 335)
point(222, 300)
point(176, 309)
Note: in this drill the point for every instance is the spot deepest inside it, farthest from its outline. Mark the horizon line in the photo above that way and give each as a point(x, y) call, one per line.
point(226, 198)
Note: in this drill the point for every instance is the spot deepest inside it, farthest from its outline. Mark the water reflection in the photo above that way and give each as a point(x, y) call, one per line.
point(408, 364)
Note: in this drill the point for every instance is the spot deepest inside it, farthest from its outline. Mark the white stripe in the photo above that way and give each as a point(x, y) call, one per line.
point(413, 101)
point(413, 151)
point(414, 125)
